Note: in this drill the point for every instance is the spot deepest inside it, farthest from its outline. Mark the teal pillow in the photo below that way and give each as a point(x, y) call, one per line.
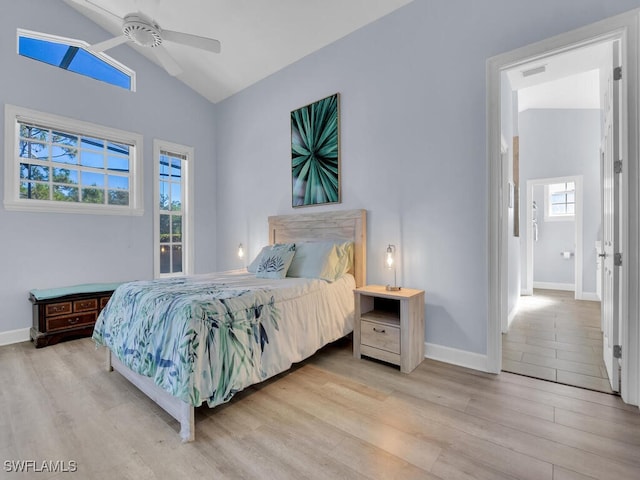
point(325, 260)
point(275, 263)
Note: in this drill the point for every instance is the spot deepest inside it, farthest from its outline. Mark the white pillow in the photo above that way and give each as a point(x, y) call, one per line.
point(325, 260)
point(253, 266)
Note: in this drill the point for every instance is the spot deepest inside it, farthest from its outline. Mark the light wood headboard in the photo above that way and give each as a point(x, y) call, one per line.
point(346, 225)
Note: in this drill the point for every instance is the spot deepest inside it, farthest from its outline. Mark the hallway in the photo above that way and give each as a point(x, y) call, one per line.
point(555, 337)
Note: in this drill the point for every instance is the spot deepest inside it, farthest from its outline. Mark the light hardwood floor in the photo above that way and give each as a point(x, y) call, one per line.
point(331, 417)
point(555, 337)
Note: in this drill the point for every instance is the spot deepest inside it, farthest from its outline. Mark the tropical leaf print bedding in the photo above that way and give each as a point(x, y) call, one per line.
point(203, 340)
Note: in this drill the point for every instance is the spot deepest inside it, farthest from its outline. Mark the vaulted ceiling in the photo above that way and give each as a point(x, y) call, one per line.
point(258, 37)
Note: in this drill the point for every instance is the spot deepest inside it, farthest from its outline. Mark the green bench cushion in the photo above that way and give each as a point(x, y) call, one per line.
point(47, 293)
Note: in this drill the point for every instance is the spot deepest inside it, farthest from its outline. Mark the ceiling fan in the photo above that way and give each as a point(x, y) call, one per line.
point(145, 32)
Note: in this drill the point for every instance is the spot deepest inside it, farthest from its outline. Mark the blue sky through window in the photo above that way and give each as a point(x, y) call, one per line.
point(74, 59)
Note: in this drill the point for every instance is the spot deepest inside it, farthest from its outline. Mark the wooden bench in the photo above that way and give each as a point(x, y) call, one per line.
point(67, 312)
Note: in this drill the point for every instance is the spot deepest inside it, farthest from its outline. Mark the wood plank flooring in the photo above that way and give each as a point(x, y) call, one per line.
point(331, 417)
point(557, 338)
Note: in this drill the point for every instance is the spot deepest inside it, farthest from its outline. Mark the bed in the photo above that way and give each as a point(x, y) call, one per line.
point(200, 339)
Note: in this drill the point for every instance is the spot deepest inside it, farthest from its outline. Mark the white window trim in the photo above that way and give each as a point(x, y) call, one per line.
point(570, 217)
point(72, 42)
point(188, 194)
point(12, 200)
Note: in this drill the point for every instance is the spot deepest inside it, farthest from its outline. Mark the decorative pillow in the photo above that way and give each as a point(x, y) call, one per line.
point(325, 260)
point(275, 263)
point(253, 266)
point(345, 258)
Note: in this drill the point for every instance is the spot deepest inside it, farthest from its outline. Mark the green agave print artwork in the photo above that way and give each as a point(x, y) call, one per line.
point(315, 161)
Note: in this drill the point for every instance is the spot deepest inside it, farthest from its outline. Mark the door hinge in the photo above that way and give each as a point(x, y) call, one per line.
point(617, 166)
point(617, 73)
point(617, 351)
point(617, 259)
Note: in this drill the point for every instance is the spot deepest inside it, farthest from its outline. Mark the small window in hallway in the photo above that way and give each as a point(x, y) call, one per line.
point(561, 200)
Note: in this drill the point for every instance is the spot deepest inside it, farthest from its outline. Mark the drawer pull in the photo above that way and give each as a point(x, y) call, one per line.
point(57, 309)
point(73, 321)
point(379, 330)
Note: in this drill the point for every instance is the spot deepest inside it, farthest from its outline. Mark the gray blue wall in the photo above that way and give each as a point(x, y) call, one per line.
point(42, 250)
point(559, 143)
point(555, 237)
point(413, 145)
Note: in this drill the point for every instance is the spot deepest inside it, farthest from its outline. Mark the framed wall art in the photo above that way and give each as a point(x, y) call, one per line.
point(315, 153)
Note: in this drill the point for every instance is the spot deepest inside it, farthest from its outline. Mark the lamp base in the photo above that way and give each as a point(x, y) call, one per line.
point(389, 288)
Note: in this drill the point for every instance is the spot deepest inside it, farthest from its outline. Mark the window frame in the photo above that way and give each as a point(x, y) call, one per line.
point(187, 192)
point(15, 115)
point(72, 42)
point(559, 217)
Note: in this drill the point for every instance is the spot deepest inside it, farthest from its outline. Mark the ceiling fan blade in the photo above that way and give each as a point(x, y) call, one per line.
point(204, 43)
point(167, 61)
point(107, 44)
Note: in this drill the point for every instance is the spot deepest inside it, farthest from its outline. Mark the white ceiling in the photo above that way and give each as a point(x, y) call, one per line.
point(575, 91)
point(258, 37)
point(569, 80)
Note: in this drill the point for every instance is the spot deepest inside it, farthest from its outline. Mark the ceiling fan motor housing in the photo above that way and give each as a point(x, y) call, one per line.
point(142, 31)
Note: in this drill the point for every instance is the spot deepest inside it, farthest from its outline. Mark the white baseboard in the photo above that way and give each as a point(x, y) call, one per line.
point(569, 287)
point(14, 336)
point(591, 296)
point(454, 356)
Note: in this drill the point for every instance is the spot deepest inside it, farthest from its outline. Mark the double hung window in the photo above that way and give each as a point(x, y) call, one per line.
point(174, 224)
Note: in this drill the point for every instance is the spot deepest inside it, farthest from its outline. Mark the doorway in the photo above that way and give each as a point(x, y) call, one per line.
point(623, 29)
point(556, 126)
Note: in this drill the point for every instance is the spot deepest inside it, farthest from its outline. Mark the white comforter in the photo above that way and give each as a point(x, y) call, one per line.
point(206, 337)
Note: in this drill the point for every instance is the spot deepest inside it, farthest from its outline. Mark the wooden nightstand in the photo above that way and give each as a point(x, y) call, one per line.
point(389, 326)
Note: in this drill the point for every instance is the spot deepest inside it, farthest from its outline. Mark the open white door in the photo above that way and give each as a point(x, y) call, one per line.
point(610, 184)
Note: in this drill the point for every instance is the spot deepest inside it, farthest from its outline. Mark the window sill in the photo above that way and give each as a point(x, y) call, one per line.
point(63, 207)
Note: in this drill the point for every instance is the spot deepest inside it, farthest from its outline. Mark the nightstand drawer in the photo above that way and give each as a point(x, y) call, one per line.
point(57, 323)
point(377, 335)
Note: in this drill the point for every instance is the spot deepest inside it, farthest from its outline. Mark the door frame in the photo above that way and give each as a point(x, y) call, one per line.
point(577, 231)
point(623, 27)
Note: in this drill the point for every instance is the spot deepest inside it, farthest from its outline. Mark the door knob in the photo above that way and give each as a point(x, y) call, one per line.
point(603, 255)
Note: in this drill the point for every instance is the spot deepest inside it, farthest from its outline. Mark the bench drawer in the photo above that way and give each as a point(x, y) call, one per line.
point(85, 305)
point(70, 321)
point(59, 308)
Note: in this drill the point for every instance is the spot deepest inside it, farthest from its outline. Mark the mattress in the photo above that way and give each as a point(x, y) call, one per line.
point(203, 338)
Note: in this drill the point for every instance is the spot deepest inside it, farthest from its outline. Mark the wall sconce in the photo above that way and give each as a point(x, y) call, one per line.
point(390, 264)
point(240, 251)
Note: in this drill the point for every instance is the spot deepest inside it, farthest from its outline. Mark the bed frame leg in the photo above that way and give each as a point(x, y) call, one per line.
point(187, 422)
point(107, 359)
